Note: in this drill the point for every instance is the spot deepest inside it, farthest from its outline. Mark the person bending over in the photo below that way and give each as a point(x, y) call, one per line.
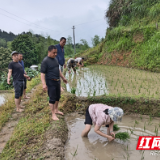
point(101, 114)
point(50, 77)
point(71, 64)
point(79, 61)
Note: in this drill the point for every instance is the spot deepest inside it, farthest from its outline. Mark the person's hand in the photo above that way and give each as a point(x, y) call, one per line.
point(65, 81)
point(45, 88)
point(69, 72)
point(113, 134)
point(110, 138)
point(8, 81)
point(64, 65)
point(28, 78)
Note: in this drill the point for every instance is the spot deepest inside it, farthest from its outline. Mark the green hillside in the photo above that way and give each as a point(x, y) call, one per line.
point(132, 40)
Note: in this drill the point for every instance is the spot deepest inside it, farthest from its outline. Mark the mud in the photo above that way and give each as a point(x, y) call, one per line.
point(96, 147)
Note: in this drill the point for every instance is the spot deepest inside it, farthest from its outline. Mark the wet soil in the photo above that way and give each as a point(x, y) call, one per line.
point(96, 147)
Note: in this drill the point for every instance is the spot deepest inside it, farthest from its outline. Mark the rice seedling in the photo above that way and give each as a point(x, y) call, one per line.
point(115, 127)
point(73, 90)
point(122, 136)
point(75, 153)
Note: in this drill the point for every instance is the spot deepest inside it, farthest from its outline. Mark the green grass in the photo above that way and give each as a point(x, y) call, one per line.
point(7, 108)
point(29, 134)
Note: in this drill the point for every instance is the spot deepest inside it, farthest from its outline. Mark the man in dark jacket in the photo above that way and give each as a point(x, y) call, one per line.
point(60, 54)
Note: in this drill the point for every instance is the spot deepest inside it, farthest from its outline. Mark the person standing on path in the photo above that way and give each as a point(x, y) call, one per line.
point(60, 55)
point(50, 77)
point(17, 72)
point(101, 114)
point(20, 57)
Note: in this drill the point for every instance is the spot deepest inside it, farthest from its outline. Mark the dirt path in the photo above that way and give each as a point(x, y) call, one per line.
point(7, 130)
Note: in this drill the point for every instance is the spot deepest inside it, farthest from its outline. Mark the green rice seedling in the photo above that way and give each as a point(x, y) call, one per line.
point(144, 126)
point(75, 153)
point(73, 90)
point(156, 131)
point(122, 136)
point(131, 131)
point(94, 93)
point(115, 127)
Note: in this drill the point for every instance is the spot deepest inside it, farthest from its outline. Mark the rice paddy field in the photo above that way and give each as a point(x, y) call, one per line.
point(114, 80)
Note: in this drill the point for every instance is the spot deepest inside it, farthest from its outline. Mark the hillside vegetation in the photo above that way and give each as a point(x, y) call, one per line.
point(132, 40)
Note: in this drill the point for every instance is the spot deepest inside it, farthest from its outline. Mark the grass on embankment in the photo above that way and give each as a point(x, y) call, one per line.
point(7, 108)
point(29, 136)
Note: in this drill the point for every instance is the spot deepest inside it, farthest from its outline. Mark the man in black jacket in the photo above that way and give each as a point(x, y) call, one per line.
point(50, 77)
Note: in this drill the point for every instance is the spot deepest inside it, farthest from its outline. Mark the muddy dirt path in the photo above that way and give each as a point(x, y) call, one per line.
point(7, 130)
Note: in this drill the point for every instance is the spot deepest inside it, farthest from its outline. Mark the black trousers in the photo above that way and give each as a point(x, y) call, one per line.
point(53, 90)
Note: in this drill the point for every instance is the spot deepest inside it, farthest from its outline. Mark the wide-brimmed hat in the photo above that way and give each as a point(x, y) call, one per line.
point(14, 52)
point(115, 113)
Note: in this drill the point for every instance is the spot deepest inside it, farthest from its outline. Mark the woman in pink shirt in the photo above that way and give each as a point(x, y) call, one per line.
point(101, 114)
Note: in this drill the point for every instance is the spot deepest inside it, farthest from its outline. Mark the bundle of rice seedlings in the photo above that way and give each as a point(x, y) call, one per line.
point(122, 136)
point(115, 127)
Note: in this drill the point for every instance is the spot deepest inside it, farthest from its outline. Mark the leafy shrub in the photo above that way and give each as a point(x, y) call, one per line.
point(31, 73)
point(3, 82)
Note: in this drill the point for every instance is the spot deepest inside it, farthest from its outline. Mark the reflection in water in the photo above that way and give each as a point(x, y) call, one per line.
point(96, 147)
point(87, 83)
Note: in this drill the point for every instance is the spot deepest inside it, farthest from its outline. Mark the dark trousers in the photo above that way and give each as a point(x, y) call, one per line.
point(53, 90)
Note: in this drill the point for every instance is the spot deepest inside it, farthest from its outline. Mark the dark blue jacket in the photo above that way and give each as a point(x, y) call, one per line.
point(60, 55)
point(22, 64)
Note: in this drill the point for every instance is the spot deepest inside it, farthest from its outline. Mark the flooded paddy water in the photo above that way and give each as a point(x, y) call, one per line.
point(96, 147)
point(4, 97)
point(87, 83)
point(99, 80)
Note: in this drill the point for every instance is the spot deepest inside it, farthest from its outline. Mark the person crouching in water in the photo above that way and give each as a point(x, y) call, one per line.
point(101, 114)
point(71, 64)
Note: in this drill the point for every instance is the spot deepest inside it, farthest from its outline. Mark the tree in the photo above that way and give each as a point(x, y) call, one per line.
point(84, 44)
point(23, 44)
point(95, 40)
point(69, 46)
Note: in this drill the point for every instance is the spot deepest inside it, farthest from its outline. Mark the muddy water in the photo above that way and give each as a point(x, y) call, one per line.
point(96, 147)
point(4, 97)
point(87, 83)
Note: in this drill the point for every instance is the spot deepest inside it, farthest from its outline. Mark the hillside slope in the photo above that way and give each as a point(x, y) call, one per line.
point(133, 40)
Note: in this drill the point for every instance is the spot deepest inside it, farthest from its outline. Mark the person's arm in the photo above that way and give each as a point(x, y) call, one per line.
point(26, 76)
point(63, 78)
point(111, 129)
point(97, 130)
point(9, 76)
point(43, 81)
